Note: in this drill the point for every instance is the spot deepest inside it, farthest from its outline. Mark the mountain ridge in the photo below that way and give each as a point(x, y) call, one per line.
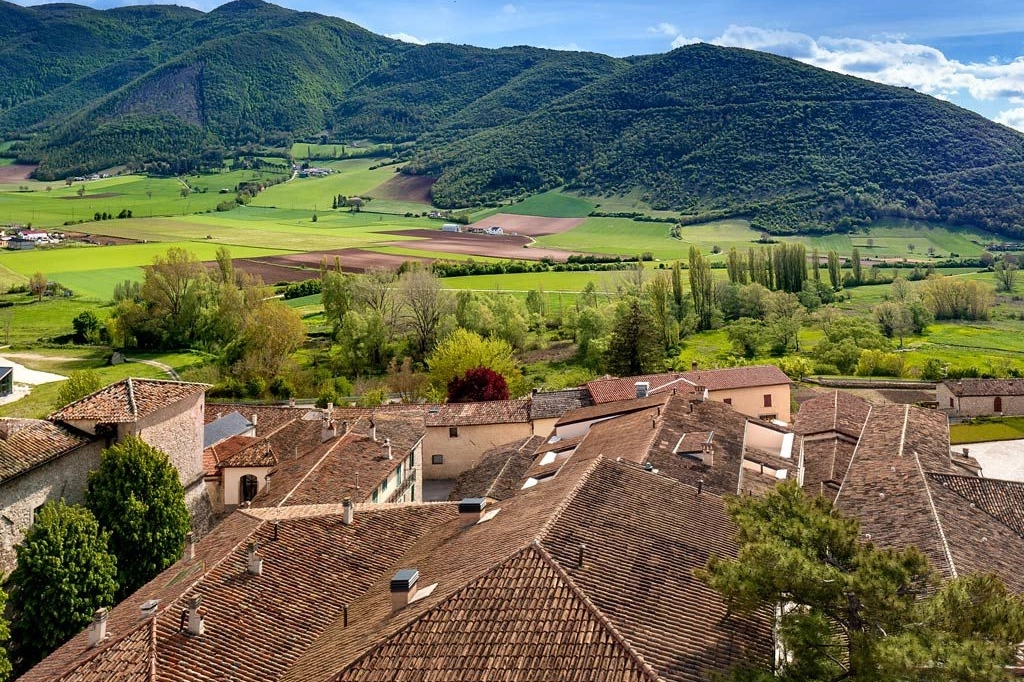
point(701, 129)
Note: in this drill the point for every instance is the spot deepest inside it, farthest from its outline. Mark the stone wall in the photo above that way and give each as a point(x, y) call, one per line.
point(19, 498)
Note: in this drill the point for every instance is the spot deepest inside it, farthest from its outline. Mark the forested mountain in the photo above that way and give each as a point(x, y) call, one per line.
point(703, 130)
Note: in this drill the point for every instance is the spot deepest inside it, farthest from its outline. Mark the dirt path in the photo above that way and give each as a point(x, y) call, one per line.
point(159, 365)
point(37, 356)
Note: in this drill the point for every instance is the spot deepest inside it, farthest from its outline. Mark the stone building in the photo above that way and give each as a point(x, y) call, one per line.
point(981, 397)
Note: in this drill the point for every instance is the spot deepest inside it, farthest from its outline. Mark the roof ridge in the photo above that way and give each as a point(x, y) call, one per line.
point(313, 468)
point(935, 512)
point(107, 644)
point(131, 399)
point(501, 472)
point(853, 457)
point(152, 650)
point(597, 613)
point(569, 498)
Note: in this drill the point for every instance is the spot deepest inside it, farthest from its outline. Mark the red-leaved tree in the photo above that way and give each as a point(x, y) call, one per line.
point(477, 385)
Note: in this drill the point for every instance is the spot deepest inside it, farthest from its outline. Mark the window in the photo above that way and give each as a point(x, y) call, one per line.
point(384, 486)
point(248, 487)
point(767, 399)
point(411, 462)
point(997, 404)
point(373, 496)
point(35, 512)
point(769, 417)
point(727, 401)
point(951, 402)
point(437, 459)
point(453, 431)
point(398, 474)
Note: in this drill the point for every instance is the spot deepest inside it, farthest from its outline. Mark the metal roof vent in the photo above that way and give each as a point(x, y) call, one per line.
point(643, 388)
point(403, 588)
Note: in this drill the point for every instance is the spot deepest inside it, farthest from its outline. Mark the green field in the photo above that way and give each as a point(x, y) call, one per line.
point(312, 152)
point(52, 204)
point(551, 204)
point(1004, 428)
point(352, 178)
point(629, 237)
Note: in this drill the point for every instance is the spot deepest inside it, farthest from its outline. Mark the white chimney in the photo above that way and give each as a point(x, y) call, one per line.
point(346, 514)
point(291, 402)
point(403, 588)
point(255, 418)
point(98, 629)
point(471, 510)
point(707, 454)
point(148, 608)
point(195, 617)
point(642, 389)
point(387, 448)
point(373, 430)
point(255, 561)
point(190, 546)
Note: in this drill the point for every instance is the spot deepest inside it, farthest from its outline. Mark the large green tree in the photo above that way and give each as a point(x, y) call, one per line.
point(136, 495)
point(65, 572)
point(634, 347)
point(847, 610)
point(78, 385)
point(701, 288)
point(463, 350)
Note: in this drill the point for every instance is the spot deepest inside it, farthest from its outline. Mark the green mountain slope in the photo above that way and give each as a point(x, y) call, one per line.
point(703, 130)
point(797, 148)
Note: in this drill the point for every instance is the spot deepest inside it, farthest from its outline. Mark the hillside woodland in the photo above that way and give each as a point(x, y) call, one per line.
point(702, 130)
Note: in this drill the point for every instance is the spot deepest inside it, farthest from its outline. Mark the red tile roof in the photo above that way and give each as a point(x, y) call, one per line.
point(606, 390)
point(28, 443)
point(985, 387)
point(469, 414)
point(127, 401)
point(836, 411)
point(611, 409)
point(238, 451)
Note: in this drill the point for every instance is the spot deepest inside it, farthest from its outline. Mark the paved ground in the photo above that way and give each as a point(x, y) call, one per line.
point(1002, 459)
point(437, 491)
point(24, 375)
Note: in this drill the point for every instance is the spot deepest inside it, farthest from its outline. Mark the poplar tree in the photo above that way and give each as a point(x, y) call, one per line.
point(701, 288)
point(833, 271)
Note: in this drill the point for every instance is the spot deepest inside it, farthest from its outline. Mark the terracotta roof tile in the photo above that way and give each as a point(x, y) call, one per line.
point(607, 390)
point(28, 443)
point(611, 409)
point(497, 474)
point(468, 414)
point(836, 411)
point(127, 401)
point(554, 404)
point(238, 451)
point(130, 659)
point(985, 387)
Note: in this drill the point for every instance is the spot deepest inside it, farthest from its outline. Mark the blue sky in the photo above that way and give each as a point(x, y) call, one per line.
point(969, 53)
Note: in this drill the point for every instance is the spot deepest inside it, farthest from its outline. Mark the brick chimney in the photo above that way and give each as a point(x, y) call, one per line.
point(471, 510)
point(403, 588)
point(98, 629)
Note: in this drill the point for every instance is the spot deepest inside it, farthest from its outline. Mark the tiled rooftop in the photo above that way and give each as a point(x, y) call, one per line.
point(499, 471)
point(127, 401)
point(238, 451)
point(835, 411)
point(469, 414)
point(28, 443)
point(553, 404)
point(609, 389)
point(610, 409)
point(985, 387)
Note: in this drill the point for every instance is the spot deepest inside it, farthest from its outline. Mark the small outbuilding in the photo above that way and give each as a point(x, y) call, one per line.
point(451, 227)
point(6, 381)
point(981, 397)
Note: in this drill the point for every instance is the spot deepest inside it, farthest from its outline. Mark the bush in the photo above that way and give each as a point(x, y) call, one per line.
point(876, 363)
point(281, 389)
point(932, 370)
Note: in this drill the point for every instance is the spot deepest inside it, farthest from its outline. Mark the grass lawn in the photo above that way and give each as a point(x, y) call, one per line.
point(629, 237)
point(441, 255)
point(31, 320)
point(71, 359)
point(526, 281)
point(312, 152)
point(52, 204)
point(1004, 428)
point(351, 178)
point(551, 204)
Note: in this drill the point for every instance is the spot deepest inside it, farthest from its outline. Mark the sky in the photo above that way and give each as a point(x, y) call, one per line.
point(971, 53)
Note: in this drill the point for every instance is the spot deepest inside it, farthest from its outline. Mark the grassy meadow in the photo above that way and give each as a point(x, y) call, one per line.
point(351, 178)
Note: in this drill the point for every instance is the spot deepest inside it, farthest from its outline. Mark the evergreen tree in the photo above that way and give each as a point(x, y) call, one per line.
point(136, 496)
point(833, 271)
point(858, 272)
point(735, 267)
point(65, 572)
point(850, 611)
point(634, 347)
point(816, 265)
point(677, 289)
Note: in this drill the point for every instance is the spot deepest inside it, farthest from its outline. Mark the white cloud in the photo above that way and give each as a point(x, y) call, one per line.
point(509, 9)
point(406, 38)
point(679, 41)
point(1012, 117)
point(888, 60)
point(664, 28)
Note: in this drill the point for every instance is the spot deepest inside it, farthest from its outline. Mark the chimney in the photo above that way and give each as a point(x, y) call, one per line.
point(642, 389)
point(967, 452)
point(707, 454)
point(693, 365)
point(387, 448)
point(373, 430)
point(148, 608)
point(255, 561)
point(403, 588)
point(346, 513)
point(255, 418)
point(344, 427)
point(195, 618)
point(190, 546)
point(329, 429)
point(471, 509)
point(291, 402)
point(702, 392)
point(98, 629)
point(330, 408)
